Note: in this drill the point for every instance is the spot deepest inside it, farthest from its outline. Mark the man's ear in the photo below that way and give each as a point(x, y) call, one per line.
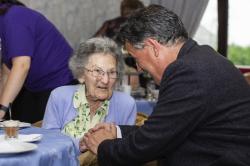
point(154, 44)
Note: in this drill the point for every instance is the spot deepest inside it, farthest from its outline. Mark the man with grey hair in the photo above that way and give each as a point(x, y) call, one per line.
point(202, 117)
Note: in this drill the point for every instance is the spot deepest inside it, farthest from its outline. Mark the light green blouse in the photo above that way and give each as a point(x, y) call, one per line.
point(82, 123)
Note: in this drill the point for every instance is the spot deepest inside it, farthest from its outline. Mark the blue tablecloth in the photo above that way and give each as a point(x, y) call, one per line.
point(145, 106)
point(55, 149)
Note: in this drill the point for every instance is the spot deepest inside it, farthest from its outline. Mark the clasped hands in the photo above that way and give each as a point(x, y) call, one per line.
point(92, 139)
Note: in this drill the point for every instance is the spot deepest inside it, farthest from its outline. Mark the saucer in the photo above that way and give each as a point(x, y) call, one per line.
point(24, 138)
point(16, 147)
point(21, 124)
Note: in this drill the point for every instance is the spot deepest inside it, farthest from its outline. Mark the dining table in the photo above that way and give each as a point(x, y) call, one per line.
point(53, 149)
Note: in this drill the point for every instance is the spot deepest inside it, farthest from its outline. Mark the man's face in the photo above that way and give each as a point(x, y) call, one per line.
point(145, 59)
point(140, 56)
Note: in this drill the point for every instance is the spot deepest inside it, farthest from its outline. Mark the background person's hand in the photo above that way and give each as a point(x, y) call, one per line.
point(2, 114)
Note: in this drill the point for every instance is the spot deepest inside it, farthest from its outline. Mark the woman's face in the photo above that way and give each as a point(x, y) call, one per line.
point(100, 86)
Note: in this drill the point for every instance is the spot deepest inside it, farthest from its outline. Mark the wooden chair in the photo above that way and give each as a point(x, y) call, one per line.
point(87, 159)
point(140, 118)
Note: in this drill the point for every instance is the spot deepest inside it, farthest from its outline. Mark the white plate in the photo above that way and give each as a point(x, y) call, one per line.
point(24, 124)
point(21, 124)
point(8, 147)
point(24, 138)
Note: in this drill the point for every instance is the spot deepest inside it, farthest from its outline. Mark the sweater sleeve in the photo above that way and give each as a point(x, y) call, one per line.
point(51, 118)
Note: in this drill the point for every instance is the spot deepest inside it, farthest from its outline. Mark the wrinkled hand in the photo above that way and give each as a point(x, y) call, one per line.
point(106, 126)
point(95, 136)
point(82, 146)
point(2, 113)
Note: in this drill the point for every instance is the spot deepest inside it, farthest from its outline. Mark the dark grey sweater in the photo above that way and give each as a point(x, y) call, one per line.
point(202, 117)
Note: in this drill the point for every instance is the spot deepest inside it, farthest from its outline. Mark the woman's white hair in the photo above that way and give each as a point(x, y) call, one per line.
point(92, 46)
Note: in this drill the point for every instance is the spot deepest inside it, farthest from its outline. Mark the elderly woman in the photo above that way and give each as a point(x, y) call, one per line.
point(75, 109)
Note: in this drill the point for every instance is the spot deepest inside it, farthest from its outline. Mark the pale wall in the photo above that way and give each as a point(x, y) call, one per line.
point(77, 19)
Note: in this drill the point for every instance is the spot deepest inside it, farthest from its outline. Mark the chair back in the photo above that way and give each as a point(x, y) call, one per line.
point(140, 118)
point(87, 159)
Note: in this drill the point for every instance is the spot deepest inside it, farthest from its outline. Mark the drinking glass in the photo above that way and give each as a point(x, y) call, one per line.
point(11, 128)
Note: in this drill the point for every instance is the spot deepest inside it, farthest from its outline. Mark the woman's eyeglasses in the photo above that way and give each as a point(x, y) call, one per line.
point(100, 73)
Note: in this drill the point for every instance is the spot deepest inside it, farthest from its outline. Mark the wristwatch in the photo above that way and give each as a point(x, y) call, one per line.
point(4, 108)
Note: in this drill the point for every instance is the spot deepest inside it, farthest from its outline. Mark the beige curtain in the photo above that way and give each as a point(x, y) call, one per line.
point(190, 11)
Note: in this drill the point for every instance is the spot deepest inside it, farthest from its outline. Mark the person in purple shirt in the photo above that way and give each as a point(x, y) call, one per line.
point(34, 61)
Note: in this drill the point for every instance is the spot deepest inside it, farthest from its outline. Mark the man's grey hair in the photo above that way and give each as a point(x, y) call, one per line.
point(86, 49)
point(154, 22)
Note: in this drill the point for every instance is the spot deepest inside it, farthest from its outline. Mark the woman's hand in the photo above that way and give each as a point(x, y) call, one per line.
point(82, 146)
point(96, 135)
point(110, 127)
point(2, 114)
point(93, 140)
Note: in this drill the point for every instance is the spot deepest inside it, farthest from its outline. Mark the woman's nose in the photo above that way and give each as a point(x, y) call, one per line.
point(105, 78)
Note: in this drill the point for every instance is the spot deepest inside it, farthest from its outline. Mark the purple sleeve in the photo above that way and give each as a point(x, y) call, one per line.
point(19, 35)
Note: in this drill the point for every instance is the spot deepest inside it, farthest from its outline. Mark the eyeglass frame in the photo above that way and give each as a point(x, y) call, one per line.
point(101, 73)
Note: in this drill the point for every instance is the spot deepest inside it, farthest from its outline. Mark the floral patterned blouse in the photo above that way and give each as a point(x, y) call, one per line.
point(82, 123)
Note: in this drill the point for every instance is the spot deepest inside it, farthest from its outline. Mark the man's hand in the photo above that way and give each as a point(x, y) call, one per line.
point(82, 146)
point(95, 136)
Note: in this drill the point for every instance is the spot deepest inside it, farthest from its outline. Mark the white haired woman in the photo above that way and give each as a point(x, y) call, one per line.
point(75, 109)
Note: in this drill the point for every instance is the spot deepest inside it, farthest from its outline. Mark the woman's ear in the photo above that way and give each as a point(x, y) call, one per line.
point(81, 80)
